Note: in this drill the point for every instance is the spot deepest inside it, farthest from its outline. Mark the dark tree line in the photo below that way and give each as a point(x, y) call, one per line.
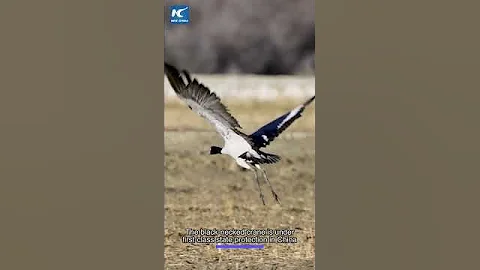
point(244, 36)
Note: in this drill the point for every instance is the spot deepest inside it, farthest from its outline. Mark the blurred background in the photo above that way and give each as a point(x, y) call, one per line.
point(268, 37)
point(235, 47)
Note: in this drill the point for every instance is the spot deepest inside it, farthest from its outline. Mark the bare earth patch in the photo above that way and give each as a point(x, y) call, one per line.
point(205, 191)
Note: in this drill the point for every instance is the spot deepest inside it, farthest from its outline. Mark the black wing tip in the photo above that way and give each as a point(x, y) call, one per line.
point(187, 76)
point(169, 66)
point(309, 101)
point(175, 74)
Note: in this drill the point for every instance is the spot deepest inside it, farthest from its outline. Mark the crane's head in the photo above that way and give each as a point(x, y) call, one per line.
point(214, 150)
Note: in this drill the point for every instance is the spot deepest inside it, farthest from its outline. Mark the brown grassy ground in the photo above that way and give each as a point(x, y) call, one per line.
point(211, 192)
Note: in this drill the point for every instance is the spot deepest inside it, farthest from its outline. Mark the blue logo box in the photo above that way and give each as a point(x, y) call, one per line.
point(179, 14)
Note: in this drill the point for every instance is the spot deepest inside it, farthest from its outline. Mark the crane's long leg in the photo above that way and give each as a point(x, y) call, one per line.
point(268, 181)
point(259, 188)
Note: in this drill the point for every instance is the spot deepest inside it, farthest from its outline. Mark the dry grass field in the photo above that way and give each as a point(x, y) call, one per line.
point(205, 191)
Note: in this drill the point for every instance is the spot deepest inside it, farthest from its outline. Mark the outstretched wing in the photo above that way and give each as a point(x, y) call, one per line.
point(201, 100)
point(266, 134)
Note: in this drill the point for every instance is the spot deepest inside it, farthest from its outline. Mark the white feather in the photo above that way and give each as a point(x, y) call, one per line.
point(290, 115)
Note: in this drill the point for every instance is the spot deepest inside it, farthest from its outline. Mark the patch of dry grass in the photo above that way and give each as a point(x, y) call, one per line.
point(205, 191)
